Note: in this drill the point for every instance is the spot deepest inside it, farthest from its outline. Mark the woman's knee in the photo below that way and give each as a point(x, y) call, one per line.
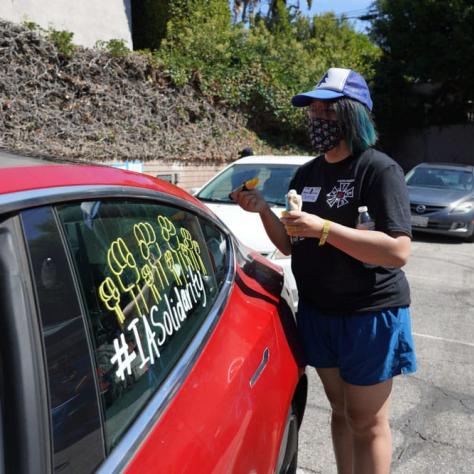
point(368, 408)
point(367, 424)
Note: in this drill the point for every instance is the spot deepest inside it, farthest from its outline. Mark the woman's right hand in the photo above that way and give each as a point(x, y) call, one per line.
point(251, 201)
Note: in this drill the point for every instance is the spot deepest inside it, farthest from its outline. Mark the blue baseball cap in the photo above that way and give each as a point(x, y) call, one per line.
point(337, 82)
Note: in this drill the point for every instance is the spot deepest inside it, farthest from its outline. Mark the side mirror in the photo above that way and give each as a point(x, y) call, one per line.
point(194, 191)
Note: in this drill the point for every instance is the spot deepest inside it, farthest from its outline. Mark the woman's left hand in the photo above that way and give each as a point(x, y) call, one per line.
point(302, 224)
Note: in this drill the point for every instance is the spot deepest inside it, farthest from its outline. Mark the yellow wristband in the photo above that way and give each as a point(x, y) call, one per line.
point(324, 233)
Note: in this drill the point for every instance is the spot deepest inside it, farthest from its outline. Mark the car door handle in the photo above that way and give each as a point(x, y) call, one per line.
point(261, 366)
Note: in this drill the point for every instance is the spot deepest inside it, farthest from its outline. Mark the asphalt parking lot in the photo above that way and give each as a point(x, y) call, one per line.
point(433, 410)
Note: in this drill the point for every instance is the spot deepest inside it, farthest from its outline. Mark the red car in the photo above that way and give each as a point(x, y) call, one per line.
point(137, 334)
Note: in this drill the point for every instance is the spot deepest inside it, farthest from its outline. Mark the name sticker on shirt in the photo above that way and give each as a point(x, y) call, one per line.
point(310, 194)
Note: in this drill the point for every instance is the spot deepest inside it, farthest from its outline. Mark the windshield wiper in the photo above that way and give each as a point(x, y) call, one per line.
point(223, 200)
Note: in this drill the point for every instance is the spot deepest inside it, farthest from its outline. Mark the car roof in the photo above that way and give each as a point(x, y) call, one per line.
point(11, 160)
point(447, 165)
point(274, 159)
point(26, 173)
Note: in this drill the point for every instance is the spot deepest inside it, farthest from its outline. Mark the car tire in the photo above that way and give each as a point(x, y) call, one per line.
point(289, 463)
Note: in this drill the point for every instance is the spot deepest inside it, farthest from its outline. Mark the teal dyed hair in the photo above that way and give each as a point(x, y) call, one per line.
point(357, 124)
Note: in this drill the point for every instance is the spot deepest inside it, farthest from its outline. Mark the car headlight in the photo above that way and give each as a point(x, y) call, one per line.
point(463, 208)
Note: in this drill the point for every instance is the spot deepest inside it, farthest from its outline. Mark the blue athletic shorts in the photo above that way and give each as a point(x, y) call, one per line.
point(368, 348)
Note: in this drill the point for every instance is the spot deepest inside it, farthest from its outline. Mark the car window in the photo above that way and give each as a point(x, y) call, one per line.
point(441, 178)
point(149, 275)
point(74, 408)
point(273, 181)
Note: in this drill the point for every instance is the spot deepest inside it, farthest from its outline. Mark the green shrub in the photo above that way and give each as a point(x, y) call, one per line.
point(62, 40)
point(31, 25)
point(115, 47)
point(197, 39)
point(258, 68)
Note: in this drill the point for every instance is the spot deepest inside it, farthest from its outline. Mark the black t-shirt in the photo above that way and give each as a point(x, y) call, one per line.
point(328, 278)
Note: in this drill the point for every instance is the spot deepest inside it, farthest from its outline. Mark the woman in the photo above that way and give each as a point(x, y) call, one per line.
point(353, 317)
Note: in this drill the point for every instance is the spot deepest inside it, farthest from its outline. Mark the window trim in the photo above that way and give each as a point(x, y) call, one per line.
point(21, 200)
point(85, 322)
point(45, 344)
point(34, 430)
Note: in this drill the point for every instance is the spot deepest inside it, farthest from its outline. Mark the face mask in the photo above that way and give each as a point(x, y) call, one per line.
point(325, 134)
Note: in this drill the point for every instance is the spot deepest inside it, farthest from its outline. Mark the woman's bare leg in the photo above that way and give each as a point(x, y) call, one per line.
point(367, 409)
point(341, 434)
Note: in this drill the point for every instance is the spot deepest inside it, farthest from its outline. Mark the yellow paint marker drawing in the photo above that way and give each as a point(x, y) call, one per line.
point(110, 296)
point(147, 274)
point(123, 266)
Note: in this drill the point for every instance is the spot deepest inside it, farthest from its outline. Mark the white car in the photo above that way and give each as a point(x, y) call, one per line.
point(274, 174)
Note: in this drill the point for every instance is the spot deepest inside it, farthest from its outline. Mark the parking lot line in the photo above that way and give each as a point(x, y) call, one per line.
point(444, 339)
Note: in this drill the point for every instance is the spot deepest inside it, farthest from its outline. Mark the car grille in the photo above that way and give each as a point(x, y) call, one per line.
point(439, 225)
point(428, 209)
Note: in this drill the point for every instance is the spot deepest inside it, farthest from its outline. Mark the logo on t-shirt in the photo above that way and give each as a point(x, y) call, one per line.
point(341, 193)
point(310, 194)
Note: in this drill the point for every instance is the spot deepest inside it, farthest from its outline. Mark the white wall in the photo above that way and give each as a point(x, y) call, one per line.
point(89, 20)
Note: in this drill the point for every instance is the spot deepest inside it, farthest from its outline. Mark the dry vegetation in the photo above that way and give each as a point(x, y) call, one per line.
point(94, 106)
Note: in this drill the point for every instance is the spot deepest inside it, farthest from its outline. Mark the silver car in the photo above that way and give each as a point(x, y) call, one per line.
point(442, 199)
